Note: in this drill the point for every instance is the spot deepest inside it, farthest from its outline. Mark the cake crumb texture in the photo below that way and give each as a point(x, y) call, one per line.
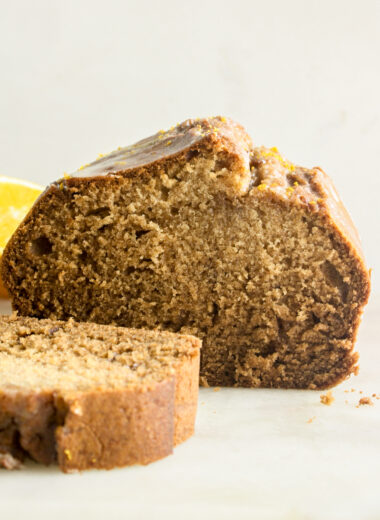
point(198, 231)
point(87, 396)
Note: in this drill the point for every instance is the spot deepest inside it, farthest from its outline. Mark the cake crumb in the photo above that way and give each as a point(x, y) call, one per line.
point(203, 382)
point(309, 421)
point(216, 389)
point(353, 390)
point(365, 400)
point(7, 461)
point(327, 398)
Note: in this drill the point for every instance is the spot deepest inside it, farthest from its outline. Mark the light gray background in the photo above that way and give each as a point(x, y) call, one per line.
point(79, 78)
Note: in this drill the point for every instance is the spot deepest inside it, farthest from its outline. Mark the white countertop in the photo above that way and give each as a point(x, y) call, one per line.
point(254, 455)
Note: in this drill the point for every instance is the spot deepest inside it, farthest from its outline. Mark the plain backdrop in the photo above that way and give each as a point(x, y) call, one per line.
point(81, 77)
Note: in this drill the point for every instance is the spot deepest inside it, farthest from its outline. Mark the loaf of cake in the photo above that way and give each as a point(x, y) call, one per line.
point(195, 230)
point(93, 396)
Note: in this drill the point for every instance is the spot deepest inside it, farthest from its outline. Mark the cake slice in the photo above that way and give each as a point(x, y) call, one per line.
point(195, 230)
point(93, 396)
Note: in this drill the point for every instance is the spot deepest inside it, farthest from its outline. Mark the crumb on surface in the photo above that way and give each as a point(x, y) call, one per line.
point(216, 389)
point(327, 398)
point(7, 461)
point(365, 400)
point(309, 421)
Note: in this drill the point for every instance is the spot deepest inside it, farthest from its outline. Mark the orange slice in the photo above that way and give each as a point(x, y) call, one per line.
point(16, 198)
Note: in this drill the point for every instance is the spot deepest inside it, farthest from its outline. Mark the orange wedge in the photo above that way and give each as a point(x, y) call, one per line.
point(16, 198)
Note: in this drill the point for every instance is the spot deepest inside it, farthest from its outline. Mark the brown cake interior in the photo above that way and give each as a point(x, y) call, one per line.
point(43, 355)
point(270, 288)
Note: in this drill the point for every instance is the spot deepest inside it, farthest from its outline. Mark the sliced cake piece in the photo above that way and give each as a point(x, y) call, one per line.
point(195, 230)
point(93, 396)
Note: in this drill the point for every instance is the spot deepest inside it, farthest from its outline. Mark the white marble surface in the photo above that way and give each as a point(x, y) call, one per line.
point(254, 455)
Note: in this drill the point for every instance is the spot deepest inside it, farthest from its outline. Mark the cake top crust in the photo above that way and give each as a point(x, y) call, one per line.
point(311, 188)
point(219, 131)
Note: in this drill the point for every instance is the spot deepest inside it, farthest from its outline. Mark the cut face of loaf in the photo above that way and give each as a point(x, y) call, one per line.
point(197, 231)
point(93, 396)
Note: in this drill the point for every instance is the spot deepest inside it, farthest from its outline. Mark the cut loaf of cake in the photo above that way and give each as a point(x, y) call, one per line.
point(195, 230)
point(93, 396)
